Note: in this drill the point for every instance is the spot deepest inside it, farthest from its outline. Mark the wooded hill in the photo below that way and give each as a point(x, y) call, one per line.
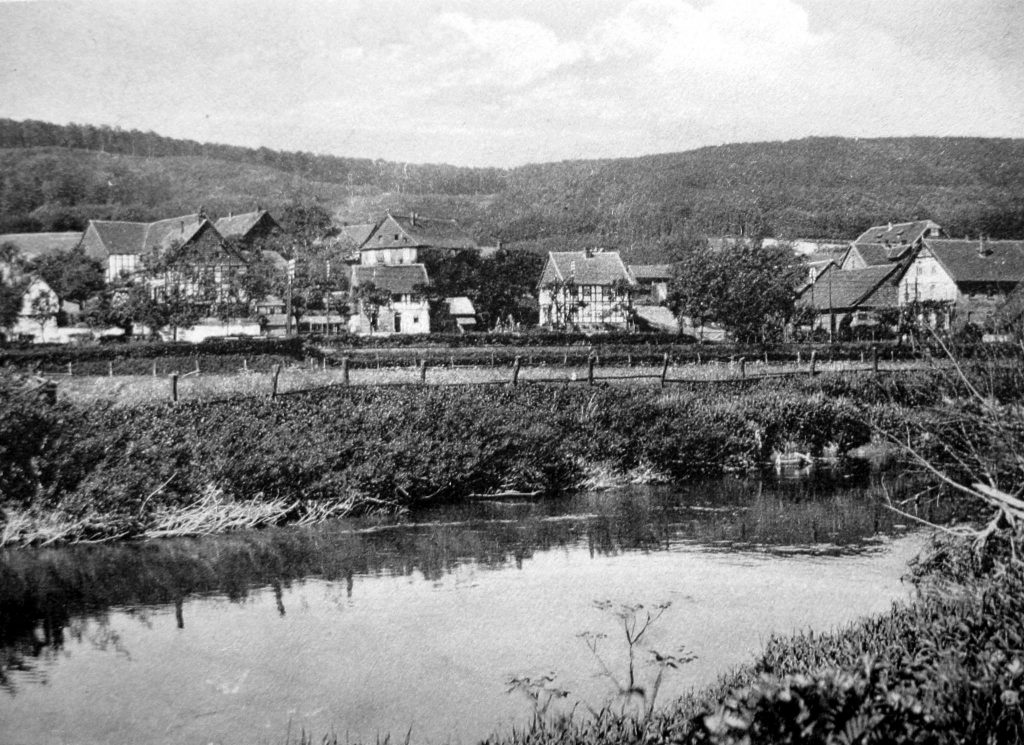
point(55, 177)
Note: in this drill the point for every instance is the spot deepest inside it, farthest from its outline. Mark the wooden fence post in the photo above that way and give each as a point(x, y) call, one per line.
point(174, 387)
point(515, 370)
point(664, 371)
point(70, 373)
point(743, 367)
point(344, 370)
point(324, 363)
point(110, 369)
point(277, 372)
point(492, 359)
point(590, 370)
point(813, 353)
point(154, 368)
point(245, 364)
point(874, 360)
point(423, 370)
point(629, 360)
point(565, 360)
point(798, 358)
point(766, 359)
point(196, 371)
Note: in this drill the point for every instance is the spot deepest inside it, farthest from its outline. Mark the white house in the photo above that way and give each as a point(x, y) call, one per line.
point(400, 308)
point(588, 288)
point(972, 277)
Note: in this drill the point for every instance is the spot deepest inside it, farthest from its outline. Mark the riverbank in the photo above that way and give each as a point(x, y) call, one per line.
point(98, 472)
point(945, 668)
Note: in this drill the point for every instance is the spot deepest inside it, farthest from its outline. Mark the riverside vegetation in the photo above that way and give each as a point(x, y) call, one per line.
point(72, 472)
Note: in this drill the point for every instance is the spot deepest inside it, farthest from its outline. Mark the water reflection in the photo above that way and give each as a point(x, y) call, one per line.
point(48, 595)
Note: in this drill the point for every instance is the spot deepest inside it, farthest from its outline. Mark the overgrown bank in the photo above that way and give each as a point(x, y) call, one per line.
point(90, 473)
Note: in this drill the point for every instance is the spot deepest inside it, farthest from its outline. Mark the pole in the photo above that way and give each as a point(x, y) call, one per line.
point(110, 369)
point(423, 370)
point(174, 387)
point(515, 370)
point(590, 370)
point(664, 371)
point(874, 360)
point(344, 370)
point(743, 367)
point(813, 353)
point(273, 389)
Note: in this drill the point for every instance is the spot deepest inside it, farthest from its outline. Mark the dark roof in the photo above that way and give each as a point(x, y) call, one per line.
point(1001, 262)
point(163, 233)
point(841, 289)
point(876, 254)
point(599, 268)
point(897, 233)
point(825, 254)
point(140, 237)
point(651, 272)
point(398, 279)
point(34, 245)
point(238, 226)
point(418, 231)
point(120, 237)
point(356, 234)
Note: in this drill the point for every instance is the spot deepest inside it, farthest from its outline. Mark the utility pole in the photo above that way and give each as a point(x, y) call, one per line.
point(288, 298)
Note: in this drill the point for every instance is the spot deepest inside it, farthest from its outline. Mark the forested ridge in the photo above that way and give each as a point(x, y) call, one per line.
point(56, 177)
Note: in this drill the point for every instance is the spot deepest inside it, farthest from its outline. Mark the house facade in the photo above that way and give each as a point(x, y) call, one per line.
point(399, 239)
point(585, 289)
point(653, 280)
point(965, 281)
point(387, 299)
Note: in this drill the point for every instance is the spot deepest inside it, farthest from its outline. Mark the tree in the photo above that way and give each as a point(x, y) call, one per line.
point(371, 299)
point(508, 286)
point(11, 294)
point(73, 275)
point(746, 287)
point(43, 308)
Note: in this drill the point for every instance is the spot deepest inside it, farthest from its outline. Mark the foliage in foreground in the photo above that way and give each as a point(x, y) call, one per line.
point(113, 471)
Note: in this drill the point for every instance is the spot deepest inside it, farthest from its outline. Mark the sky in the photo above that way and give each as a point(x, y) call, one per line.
point(481, 83)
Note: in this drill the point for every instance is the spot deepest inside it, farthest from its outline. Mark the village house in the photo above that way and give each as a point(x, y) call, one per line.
point(388, 299)
point(884, 244)
point(585, 289)
point(965, 281)
point(399, 239)
point(121, 246)
point(850, 296)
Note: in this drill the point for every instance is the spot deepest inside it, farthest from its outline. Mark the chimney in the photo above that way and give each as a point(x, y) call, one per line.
point(983, 249)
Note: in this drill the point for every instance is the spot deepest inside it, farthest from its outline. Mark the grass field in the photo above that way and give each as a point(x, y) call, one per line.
point(135, 390)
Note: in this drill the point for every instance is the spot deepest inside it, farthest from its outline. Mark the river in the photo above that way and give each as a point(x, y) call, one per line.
point(417, 625)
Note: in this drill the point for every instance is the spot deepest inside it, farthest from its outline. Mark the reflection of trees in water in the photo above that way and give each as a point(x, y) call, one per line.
point(47, 594)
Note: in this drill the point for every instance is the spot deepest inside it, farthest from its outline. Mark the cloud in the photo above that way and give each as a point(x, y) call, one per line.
point(513, 52)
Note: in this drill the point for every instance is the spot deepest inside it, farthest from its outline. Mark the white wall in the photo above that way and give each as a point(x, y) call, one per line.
point(925, 279)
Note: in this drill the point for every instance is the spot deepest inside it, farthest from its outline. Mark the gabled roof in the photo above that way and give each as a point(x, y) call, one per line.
point(398, 279)
point(840, 289)
point(898, 233)
point(357, 234)
point(597, 268)
point(119, 237)
point(992, 262)
point(651, 272)
point(34, 245)
point(239, 226)
point(140, 237)
point(825, 254)
point(407, 231)
point(876, 254)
